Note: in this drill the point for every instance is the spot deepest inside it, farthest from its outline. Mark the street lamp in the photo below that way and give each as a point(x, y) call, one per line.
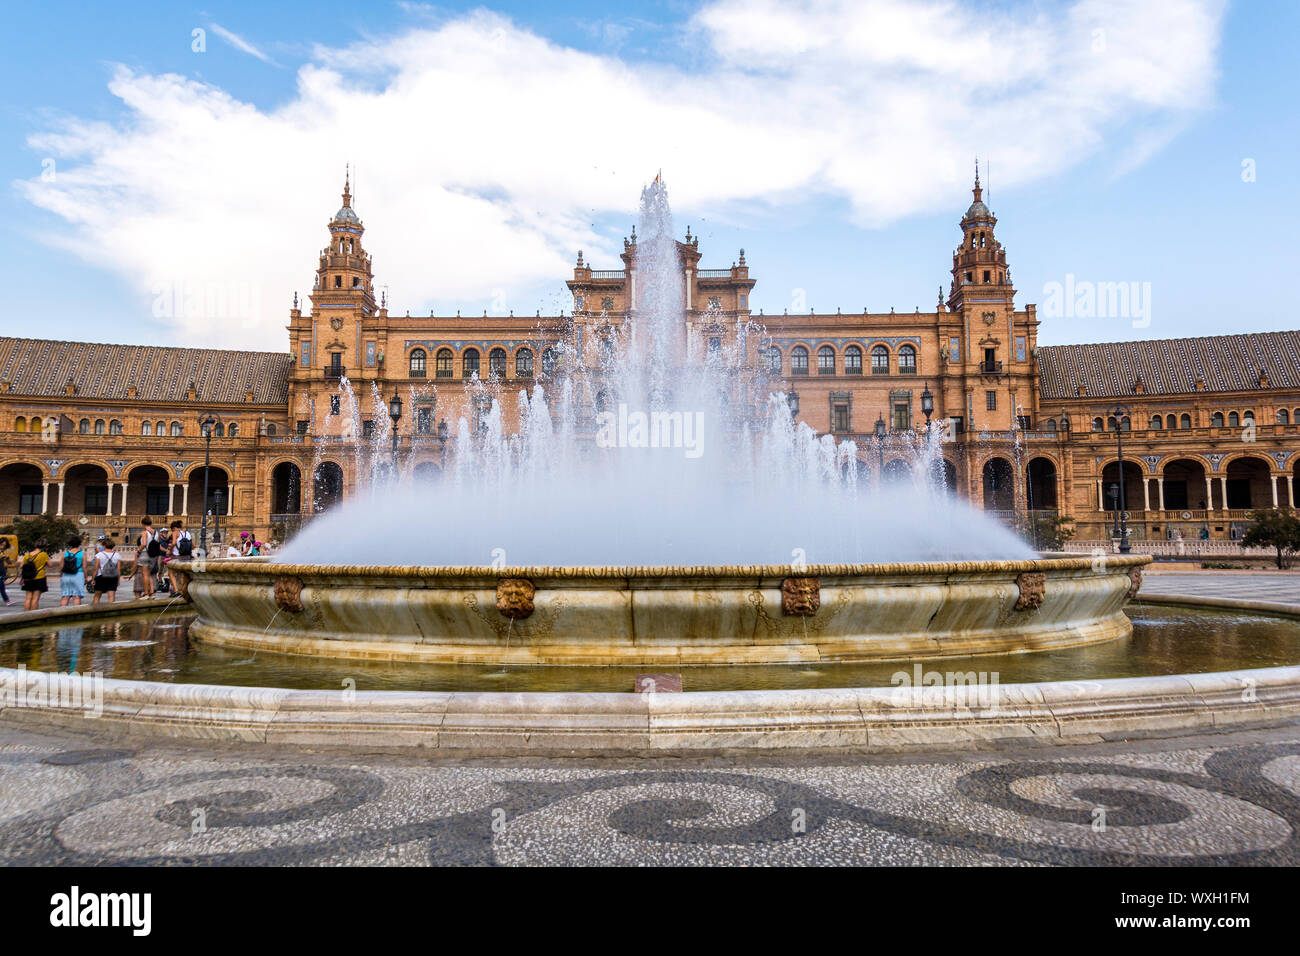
point(206, 425)
point(792, 399)
point(880, 445)
point(216, 515)
point(1122, 516)
point(927, 405)
point(442, 443)
point(395, 413)
point(1065, 421)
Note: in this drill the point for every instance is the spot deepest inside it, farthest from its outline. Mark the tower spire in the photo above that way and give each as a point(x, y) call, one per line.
point(347, 185)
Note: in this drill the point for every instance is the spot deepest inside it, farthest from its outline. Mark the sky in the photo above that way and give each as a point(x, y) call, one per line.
point(169, 170)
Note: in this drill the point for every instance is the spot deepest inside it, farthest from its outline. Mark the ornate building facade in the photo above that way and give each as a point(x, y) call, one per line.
point(108, 433)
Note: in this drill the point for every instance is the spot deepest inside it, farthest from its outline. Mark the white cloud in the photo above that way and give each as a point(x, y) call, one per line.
point(239, 43)
point(485, 152)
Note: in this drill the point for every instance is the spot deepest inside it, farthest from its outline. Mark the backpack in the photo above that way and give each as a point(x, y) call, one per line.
point(153, 548)
point(185, 546)
point(111, 562)
point(29, 570)
point(70, 562)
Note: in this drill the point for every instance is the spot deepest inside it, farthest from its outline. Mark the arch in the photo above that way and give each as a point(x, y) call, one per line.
point(999, 485)
point(825, 360)
point(772, 359)
point(20, 424)
point(148, 488)
point(1098, 425)
point(218, 481)
point(1040, 477)
point(524, 362)
point(853, 360)
point(115, 427)
point(879, 360)
point(469, 363)
point(442, 363)
point(1171, 422)
point(1233, 420)
point(1184, 483)
point(1282, 417)
point(233, 430)
point(219, 430)
point(1185, 421)
point(197, 469)
point(1216, 420)
point(1157, 423)
point(897, 471)
point(22, 489)
point(417, 363)
point(286, 488)
point(497, 362)
point(99, 426)
point(426, 472)
point(907, 360)
point(146, 428)
point(327, 486)
point(1248, 482)
point(86, 488)
point(1131, 498)
point(176, 430)
point(799, 360)
point(83, 427)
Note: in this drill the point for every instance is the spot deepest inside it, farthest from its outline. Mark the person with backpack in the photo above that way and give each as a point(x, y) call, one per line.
point(33, 575)
point(148, 552)
point(182, 547)
point(108, 572)
point(4, 572)
point(72, 585)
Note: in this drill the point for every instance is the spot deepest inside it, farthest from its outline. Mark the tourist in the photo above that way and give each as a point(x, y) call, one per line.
point(245, 543)
point(182, 547)
point(33, 575)
point(4, 572)
point(232, 551)
point(148, 551)
point(72, 584)
point(108, 572)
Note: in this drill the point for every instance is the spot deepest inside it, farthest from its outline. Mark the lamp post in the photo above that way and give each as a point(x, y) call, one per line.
point(927, 405)
point(1065, 422)
point(880, 446)
point(442, 444)
point(206, 424)
point(1113, 491)
point(1122, 516)
point(216, 515)
point(792, 399)
point(395, 413)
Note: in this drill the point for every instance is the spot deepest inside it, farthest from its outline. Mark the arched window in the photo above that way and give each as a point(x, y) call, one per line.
point(853, 360)
point(798, 360)
point(825, 360)
point(469, 363)
point(524, 363)
point(1171, 422)
point(270, 429)
point(83, 426)
point(497, 363)
point(1233, 421)
point(160, 428)
point(176, 429)
point(115, 427)
point(1247, 417)
point(442, 363)
point(1097, 424)
point(907, 360)
point(773, 360)
point(146, 428)
point(1185, 421)
point(1050, 424)
point(1216, 420)
point(218, 430)
point(419, 363)
point(879, 360)
point(1282, 417)
point(99, 426)
point(20, 424)
point(1126, 424)
point(550, 361)
point(1157, 423)
point(233, 430)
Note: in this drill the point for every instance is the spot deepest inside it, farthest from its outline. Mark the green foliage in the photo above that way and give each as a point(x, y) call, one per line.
point(1279, 530)
point(1048, 531)
point(52, 530)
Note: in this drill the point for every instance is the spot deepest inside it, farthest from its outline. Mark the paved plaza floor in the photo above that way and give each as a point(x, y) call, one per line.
point(1279, 587)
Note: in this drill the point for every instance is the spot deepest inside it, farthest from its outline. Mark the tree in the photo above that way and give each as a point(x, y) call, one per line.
point(1048, 531)
point(1279, 530)
point(52, 530)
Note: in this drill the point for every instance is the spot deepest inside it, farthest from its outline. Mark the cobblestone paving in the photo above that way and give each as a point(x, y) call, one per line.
point(67, 798)
point(1278, 586)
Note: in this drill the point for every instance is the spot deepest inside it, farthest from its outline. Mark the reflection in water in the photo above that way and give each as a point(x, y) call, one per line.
point(1165, 641)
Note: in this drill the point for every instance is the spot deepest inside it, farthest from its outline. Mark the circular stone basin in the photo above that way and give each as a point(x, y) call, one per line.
point(648, 617)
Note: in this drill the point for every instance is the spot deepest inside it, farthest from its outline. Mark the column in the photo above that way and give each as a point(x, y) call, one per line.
point(1223, 486)
point(1101, 502)
point(185, 499)
point(60, 511)
point(1160, 491)
point(1146, 493)
point(1209, 493)
point(1273, 480)
point(171, 499)
point(1290, 490)
point(688, 288)
point(123, 511)
point(45, 497)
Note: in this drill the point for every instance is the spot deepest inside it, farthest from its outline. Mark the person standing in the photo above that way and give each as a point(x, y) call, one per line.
point(4, 572)
point(108, 572)
point(182, 547)
point(33, 574)
point(148, 552)
point(72, 584)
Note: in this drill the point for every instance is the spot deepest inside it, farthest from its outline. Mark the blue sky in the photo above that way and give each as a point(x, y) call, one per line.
point(833, 142)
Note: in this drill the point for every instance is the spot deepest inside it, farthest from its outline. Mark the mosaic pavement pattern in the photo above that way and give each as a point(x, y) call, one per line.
point(1226, 799)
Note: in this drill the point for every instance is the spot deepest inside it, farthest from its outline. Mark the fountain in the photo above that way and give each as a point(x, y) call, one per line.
point(657, 507)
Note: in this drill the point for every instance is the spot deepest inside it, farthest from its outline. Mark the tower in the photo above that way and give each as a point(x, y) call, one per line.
point(979, 265)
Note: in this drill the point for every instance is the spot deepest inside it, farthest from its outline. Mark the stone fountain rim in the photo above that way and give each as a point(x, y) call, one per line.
point(270, 567)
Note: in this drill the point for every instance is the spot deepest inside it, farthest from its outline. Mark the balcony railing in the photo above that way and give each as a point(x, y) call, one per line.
point(608, 274)
point(714, 273)
point(335, 372)
point(988, 367)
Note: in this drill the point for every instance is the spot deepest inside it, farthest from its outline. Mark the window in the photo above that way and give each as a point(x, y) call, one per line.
point(30, 499)
point(336, 365)
point(825, 360)
point(1282, 417)
point(1157, 423)
point(146, 428)
point(1050, 424)
point(1216, 420)
point(368, 428)
point(20, 424)
point(302, 426)
point(218, 430)
point(99, 428)
point(370, 353)
point(1233, 421)
point(907, 360)
point(1185, 421)
point(901, 420)
point(1171, 422)
point(497, 363)
point(602, 400)
point(469, 363)
point(83, 426)
point(160, 429)
point(607, 349)
point(798, 360)
point(419, 363)
point(96, 500)
point(233, 431)
point(1023, 423)
point(334, 404)
point(156, 500)
point(524, 363)
point(442, 363)
point(1097, 424)
point(270, 429)
point(991, 401)
point(715, 345)
point(177, 429)
point(578, 303)
point(550, 361)
point(839, 418)
point(744, 301)
point(1126, 424)
point(338, 282)
point(773, 360)
point(424, 420)
point(853, 360)
point(880, 360)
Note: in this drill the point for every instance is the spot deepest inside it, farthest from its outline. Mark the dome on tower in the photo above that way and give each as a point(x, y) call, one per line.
point(977, 210)
point(346, 214)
